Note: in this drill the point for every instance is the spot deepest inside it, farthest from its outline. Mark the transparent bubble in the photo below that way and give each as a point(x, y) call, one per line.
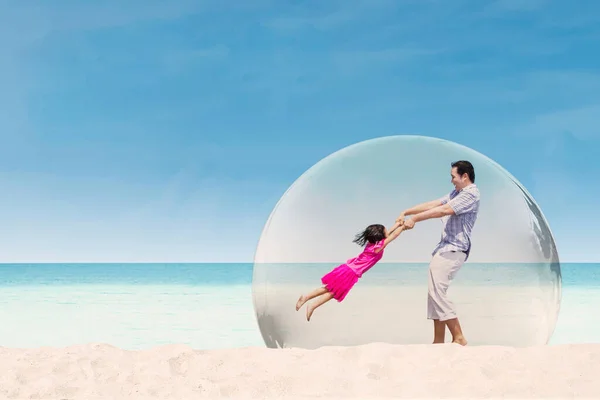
point(507, 293)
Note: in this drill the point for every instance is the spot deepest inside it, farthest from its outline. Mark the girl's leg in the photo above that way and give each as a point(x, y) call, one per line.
point(313, 306)
point(304, 298)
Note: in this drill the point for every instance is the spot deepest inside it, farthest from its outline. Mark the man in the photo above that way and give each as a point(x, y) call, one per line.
point(458, 211)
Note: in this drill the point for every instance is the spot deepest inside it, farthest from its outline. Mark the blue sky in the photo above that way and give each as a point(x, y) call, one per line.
point(155, 131)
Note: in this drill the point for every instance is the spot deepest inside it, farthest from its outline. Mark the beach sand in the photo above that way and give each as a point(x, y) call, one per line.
point(370, 371)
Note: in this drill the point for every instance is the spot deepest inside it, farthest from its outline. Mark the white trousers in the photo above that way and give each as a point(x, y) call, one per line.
point(442, 270)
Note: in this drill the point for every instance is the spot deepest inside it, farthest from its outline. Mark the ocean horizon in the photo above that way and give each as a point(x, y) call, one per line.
point(209, 305)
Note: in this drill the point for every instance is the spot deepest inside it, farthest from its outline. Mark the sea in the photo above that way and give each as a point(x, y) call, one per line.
point(205, 306)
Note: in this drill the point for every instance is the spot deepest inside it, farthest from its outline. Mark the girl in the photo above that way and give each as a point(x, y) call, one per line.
point(341, 279)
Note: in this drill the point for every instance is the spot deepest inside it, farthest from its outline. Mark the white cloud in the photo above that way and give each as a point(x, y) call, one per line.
point(583, 123)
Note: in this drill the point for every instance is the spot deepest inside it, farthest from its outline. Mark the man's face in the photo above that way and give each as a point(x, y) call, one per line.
point(458, 181)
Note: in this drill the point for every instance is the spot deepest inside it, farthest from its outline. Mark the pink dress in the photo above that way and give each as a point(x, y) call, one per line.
point(342, 278)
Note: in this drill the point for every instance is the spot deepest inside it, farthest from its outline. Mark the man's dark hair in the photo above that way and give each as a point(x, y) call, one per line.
point(465, 167)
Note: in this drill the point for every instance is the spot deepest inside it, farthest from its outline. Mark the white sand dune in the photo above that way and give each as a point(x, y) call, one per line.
point(363, 372)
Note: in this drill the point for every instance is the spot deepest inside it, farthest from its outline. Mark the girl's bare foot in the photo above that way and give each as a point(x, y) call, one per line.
point(309, 311)
point(300, 302)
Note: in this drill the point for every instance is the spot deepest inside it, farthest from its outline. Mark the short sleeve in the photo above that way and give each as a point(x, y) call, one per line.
point(378, 245)
point(446, 198)
point(465, 202)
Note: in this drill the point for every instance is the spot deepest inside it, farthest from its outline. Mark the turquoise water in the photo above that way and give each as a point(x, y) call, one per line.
point(206, 306)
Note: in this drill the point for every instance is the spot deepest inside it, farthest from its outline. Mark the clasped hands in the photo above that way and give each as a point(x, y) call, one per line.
point(408, 224)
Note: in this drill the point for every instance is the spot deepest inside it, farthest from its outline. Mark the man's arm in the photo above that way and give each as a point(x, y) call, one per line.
point(422, 207)
point(436, 212)
point(461, 204)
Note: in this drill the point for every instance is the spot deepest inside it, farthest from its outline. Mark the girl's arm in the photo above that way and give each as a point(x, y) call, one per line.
point(394, 227)
point(394, 232)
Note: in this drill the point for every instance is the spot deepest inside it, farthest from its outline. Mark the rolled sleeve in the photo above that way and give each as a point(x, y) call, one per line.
point(463, 203)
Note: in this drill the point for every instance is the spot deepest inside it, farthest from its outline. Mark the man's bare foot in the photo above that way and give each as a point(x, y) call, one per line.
point(460, 340)
point(300, 302)
point(436, 342)
point(309, 311)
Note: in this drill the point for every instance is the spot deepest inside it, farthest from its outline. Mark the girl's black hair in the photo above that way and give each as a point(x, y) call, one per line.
point(372, 234)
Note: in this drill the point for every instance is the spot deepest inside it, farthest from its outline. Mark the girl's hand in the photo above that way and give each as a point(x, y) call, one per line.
point(400, 218)
point(393, 233)
point(395, 226)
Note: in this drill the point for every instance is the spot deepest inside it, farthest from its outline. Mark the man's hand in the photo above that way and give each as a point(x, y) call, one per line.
point(409, 224)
